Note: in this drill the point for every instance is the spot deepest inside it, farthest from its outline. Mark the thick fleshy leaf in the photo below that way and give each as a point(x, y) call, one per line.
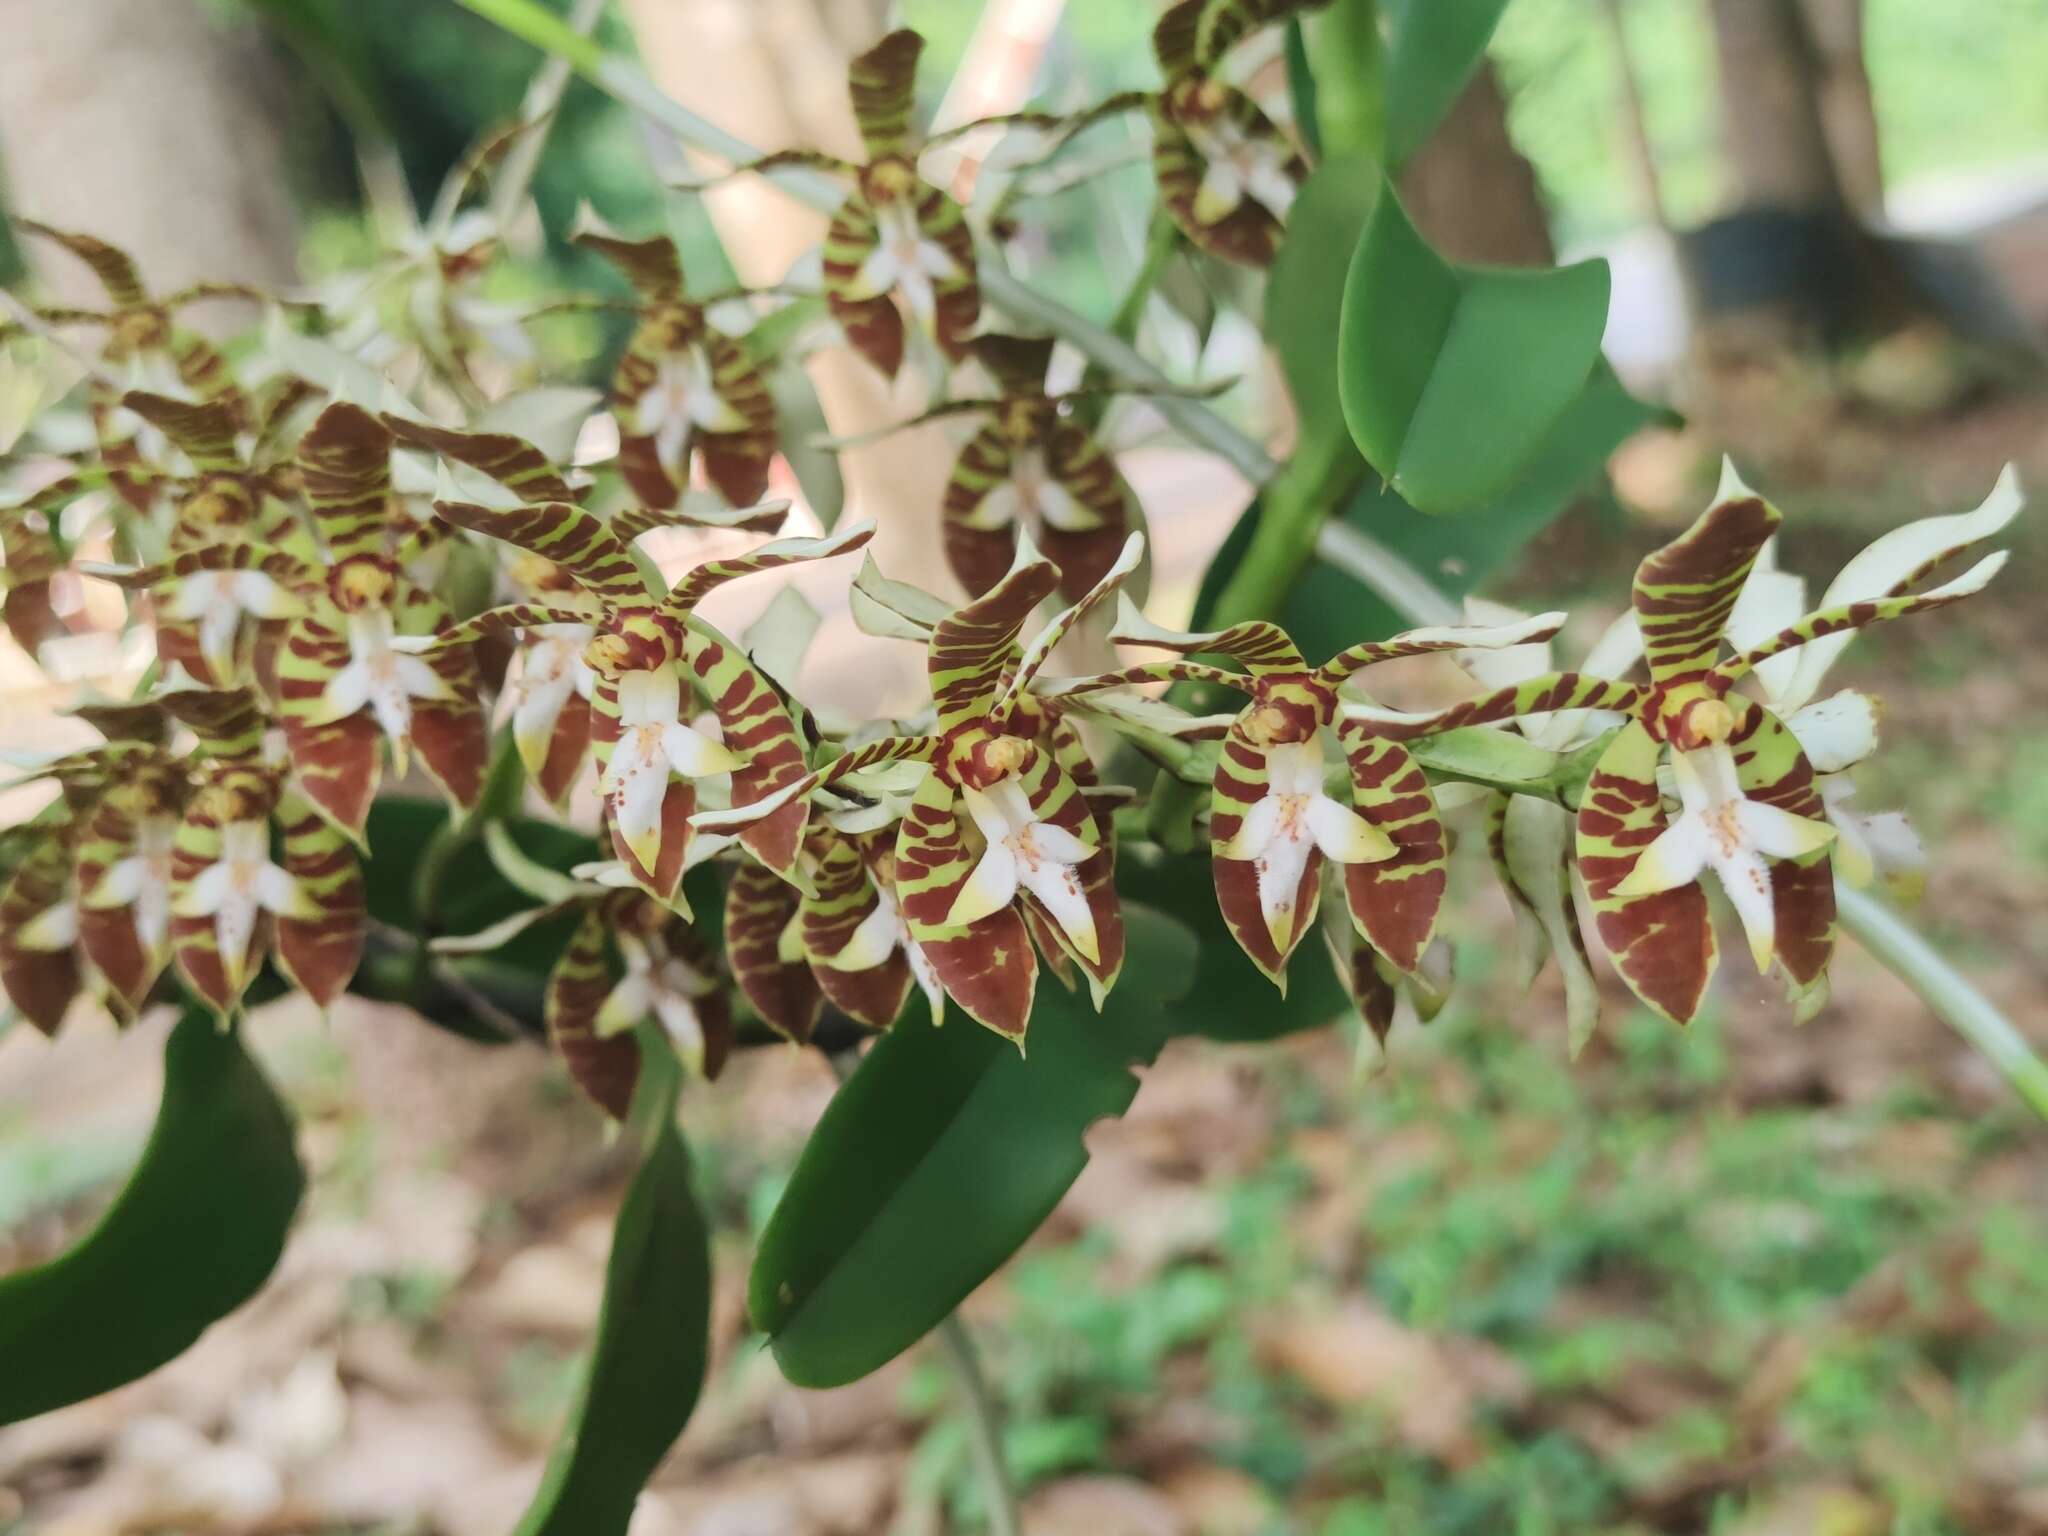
point(1432, 53)
point(1428, 348)
point(648, 1360)
point(203, 1218)
point(766, 957)
point(1395, 901)
point(942, 1154)
point(1685, 591)
point(986, 966)
point(1663, 943)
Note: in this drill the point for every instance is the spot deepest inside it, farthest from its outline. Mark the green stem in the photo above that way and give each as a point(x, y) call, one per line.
point(1907, 955)
point(984, 1429)
point(543, 95)
point(1278, 553)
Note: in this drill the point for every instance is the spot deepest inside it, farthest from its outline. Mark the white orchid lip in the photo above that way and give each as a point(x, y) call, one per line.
point(236, 889)
point(906, 261)
point(658, 984)
point(683, 399)
point(1025, 854)
point(654, 743)
point(880, 935)
point(218, 601)
point(1293, 820)
point(142, 880)
point(1239, 165)
point(1031, 492)
point(382, 675)
point(1718, 827)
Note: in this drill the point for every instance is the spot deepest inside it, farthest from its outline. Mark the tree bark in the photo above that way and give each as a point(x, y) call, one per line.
point(145, 123)
point(1471, 192)
point(1770, 113)
point(1848, 112)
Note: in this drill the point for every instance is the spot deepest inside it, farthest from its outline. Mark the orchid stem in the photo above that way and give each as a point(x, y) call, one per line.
point(1905, 952)
point(984, 1428)
point(1410, 592)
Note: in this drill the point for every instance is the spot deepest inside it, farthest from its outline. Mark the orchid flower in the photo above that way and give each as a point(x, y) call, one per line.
point(998, 828)
point(1749, 808)
point(145, 344)
point(682, 388)
point(651, 656)
point(1272, 824)
point(628, 960)
point(232, 899)
point(896, 236)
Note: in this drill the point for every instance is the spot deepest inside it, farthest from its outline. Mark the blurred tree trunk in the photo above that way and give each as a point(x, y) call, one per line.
point(1770, 106)
point(1471, 192)
point(1791, 261)
point(1848, 112)
point(144, 122)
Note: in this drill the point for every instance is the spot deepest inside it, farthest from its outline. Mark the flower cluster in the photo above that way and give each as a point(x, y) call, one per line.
point(374, 535)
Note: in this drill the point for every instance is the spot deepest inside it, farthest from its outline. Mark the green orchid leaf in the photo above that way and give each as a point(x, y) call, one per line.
point(1306, 289)
point(944, 1151)
point(1430, 351)
point(1329, 609)
point(1435, 48)
point(194, 1235)
point(653, 1333)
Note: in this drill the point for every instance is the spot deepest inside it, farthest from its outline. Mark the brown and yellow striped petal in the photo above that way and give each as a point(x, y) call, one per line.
point(320, 954)
point(1685, 591)
point(760, 908)
point(987, 966)
point(605, 1067)
point(883, 84)
point(1395, 901)
point(1663, 944)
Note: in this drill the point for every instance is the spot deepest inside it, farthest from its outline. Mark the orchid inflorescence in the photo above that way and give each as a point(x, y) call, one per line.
point(340, 574)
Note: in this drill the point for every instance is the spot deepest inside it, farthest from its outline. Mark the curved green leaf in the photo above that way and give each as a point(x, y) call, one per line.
point(1451, 377)
point(193, 1236)
point(653, 1334)
point(1307, 287)
point(944, 1151)
point(1436, 46)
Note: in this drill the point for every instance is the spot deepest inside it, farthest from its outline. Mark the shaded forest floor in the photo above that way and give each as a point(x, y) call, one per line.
point(1746, 1279)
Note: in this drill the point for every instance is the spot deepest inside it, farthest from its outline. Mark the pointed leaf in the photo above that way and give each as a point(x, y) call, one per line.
point(203, 1218)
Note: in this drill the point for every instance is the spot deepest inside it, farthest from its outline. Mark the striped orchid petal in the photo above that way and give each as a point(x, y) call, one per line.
point(856, 936)
point(1685, 591)
point(39, 969)
point(1776, 776)
point(345, 469)
point(974, 646)
point(605, 1067)
point(1537, 696)
point(123, 869)
point(320, 938)
point(575, 540)
point(511, 461)
point(1661, 941)
point(758, 730)
point(763, 943)
point(1042, 645)
point(1448, 637)
point(682, 387)
point(1226, 174)
point(670, 979)
point(225, 888)
point(986, 965)
point(700, 581)
point(550, 705)
point(1395, 899)
point(883, 83)
point(210, 599)
point(892, 749)
point(1262, 647)
point(1530, 841)
point(1271, 825)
